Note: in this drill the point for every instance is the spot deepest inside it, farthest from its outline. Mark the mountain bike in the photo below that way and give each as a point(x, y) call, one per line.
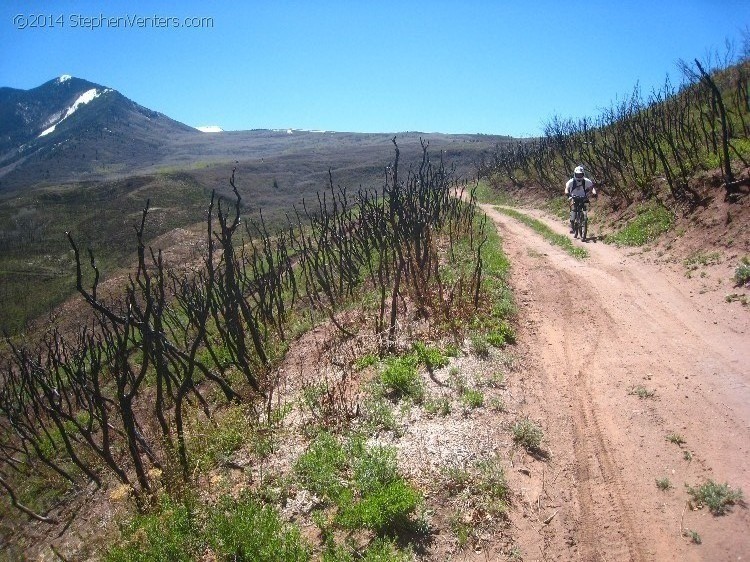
point(580, 217)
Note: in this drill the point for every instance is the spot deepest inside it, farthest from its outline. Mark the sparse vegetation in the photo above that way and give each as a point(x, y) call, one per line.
point(677, 439)
point(694, 537)
point(717, 497)
point(742, 273)
point(401, 379)
point(641, 392)
point(648, 224)
point(663, 484)
point(528, 434)
point(472, 398)
point(551, 236)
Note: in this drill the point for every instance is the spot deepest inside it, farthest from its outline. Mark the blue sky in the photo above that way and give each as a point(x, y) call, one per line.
point(369, 66)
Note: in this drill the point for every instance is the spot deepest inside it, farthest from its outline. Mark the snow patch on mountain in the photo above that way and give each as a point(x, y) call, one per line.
point(64, 78)
point(210, 129)
point(83, 99)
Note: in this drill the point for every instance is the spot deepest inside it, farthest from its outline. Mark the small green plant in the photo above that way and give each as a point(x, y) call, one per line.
point(742, 272)
point(170, 532)
point(677, 439)
point(641, 392)
point(438, 406)
point(700, 258)
point(693, 536)
point(480, 346)
point(737, 297)
point(365, 361)
point(717, 497)
point(456, 380)
point(378, 414)
point(385, 509)
point(244, 530)
point(663, 484)
point(401, 378)
point(528, 434)
point(687, 455)
point(463, 530)
point(502, 335)
point(495, 380)
point(431, 357)
point(472, 398)
point(456, 478)
point(213, 443)
point(318, 467)
point(492, 485)
point(497, 404)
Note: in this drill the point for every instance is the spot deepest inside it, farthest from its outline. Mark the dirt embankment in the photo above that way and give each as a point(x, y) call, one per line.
point(600, 333)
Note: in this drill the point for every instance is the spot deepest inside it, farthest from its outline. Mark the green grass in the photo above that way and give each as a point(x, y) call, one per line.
point(244, 530)
point(437, 406)
point(401, 378)
point(717, 497)
point(318, 467)
point(547, 233)
point(431, 357)
point(381, 549)
point(361, 481)
point(234, 529)
point(487, 194)
point(210, 444)
point(472, 398)
point(649, 223)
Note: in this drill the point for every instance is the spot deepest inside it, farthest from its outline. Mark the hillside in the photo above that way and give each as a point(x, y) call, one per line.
point(102, 156)
point(405, 372)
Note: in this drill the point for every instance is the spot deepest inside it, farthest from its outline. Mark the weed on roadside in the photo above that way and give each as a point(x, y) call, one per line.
point(677, 439)
point(528, 434)
point(437, 406)
point(717, 497)
point(663, 484)
point(641, 392)
point(742, 273)
point(692, 535)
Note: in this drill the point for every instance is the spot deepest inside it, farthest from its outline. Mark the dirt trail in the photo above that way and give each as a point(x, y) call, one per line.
point(596, 329)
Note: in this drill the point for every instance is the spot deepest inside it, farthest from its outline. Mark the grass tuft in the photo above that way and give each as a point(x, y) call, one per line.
point(717, 497)
point(528, 434)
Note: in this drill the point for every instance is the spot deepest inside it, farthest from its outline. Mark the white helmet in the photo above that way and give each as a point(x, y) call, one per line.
point(578, 172)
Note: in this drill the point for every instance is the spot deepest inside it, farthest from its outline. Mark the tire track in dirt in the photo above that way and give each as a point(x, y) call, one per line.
point(595, 329)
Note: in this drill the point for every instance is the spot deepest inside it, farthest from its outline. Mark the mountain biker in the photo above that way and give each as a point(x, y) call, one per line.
point(578, 186)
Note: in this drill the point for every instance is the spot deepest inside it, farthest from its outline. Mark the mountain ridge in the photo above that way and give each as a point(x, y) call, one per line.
point(111, 137)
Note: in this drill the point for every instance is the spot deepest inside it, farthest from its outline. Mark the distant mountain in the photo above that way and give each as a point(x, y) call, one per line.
point(72, 129)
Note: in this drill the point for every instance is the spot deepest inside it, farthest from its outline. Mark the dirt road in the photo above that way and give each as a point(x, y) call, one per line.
point(598, 332)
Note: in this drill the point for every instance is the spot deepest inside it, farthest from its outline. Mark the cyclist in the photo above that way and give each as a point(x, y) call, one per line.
point(578, 186)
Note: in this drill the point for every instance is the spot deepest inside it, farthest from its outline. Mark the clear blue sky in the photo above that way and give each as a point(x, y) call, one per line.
point(370, 66)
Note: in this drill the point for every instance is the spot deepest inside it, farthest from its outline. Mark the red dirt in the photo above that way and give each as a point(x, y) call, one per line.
point(594, 330)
